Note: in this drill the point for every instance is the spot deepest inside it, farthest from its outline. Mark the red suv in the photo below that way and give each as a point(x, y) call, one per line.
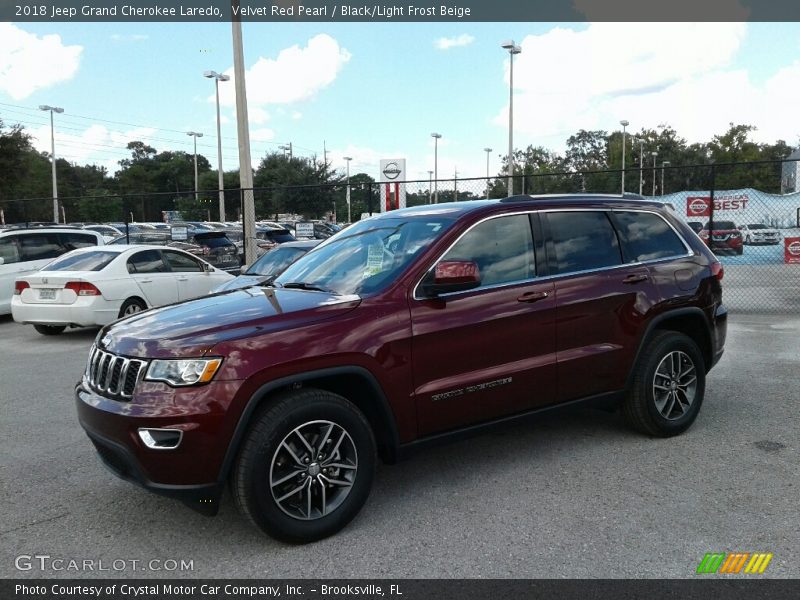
point(406, 329)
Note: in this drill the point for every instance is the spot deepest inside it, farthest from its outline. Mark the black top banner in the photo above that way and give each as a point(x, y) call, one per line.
point(287, 11)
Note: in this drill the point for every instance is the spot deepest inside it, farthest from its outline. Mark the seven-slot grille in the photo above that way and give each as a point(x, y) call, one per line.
point(111, 374)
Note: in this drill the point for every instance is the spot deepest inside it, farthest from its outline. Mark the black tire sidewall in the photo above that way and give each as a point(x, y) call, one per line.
point(662, 347)
point(129, 302)
point(263, 508)
point(50, 329)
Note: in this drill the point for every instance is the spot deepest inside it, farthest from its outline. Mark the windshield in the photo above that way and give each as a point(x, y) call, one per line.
point(721, 225)
point(757, 226)
point(85, 261)
point(365, 257)
point(275, 261)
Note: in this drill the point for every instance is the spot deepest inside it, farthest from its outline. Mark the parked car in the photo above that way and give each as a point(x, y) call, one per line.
point(218, 250)
point(697, 226)
point(23, 251)
point(724, 237)
point(758, 233)
point(269, 266)
point(108, 232)
point(406, 329)
point(95, 286)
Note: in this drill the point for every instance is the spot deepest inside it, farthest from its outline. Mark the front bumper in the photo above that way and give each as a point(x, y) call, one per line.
point(192, 472)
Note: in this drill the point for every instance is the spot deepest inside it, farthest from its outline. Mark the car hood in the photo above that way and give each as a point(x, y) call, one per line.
point(193, 327)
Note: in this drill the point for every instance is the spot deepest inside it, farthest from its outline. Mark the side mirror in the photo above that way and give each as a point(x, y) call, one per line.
point(452, 276)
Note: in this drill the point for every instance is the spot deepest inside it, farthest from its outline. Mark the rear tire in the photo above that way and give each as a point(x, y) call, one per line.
point(740, 250)
point(668, 386)
point(131, 306)
point(306, 466)
point(50, 329)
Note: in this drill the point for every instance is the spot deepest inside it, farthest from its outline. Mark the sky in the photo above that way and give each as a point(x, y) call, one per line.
point(378, 90)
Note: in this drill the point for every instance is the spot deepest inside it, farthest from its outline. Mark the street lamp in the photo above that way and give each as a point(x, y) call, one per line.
point(436, 137)
point(665, 163)
point(348, 159)
point(655, 157)
point(512, 50)
point(217, 77)
point(53, 109)
point(641, 166)
point(488, 151)
point(195, 135)
point(430, 186)
point(624, 124)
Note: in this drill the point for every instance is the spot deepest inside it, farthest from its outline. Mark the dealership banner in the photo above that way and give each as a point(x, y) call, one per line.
point(791, 250)
point(700, 206)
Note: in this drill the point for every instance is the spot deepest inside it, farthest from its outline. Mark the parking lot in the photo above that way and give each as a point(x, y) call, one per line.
point(572, 495)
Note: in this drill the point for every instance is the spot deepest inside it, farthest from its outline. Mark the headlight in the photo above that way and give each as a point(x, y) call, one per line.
point(183, 371)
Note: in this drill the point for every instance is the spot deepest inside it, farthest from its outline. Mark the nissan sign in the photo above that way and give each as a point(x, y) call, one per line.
point(791, 254)
point(391, 171)
point(698, 207)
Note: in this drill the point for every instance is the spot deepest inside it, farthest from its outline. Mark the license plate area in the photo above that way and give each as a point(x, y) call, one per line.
point(47, 293)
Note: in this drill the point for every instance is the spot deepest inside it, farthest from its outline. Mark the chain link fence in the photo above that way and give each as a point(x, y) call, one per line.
point(748, 213)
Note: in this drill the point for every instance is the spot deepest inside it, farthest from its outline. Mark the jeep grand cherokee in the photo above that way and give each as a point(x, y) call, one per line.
point(405, 329)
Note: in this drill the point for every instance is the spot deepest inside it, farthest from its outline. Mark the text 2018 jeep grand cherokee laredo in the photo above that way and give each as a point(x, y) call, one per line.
point(401, 330)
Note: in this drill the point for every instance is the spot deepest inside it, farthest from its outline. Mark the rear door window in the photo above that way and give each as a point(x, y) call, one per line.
point(9, 250)
point(146, 261)
point(583, 241)
point(646, 236)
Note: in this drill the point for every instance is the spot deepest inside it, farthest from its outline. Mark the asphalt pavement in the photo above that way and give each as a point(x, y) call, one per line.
point(573, 495)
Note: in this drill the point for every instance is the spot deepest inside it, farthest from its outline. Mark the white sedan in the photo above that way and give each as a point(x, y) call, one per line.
point(95, 286)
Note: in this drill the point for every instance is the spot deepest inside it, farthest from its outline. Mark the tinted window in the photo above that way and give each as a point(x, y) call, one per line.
point(212, 241)
point(86, 261)
point(72, 241)
point(279, 236)
point(182, 263)
point(646, 236)
point(502, 248)
point(721, 225)
point(583, 241)
point(9, 251)
point(146, 261)
point(38, 246)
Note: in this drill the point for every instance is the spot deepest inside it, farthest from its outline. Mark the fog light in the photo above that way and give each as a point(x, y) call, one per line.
point(161, 439)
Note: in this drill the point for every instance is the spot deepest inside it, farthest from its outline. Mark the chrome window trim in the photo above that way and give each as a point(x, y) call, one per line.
point(689, 251)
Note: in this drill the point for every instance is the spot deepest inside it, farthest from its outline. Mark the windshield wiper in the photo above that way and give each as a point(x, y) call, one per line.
point(302, 285)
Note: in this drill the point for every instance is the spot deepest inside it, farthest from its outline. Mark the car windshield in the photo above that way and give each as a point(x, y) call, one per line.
point(757, 226)
point(275, 261)
point(722, 225)
point(366, 257)
point(85, 261)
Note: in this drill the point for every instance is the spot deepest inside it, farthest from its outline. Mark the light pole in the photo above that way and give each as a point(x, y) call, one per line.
point(641, 166)
point(655, 157)
point(436, 137)
point(348, 159)
point(430, 186)
point(665, 163)
point(217, 77)
point(53, 109)
point(488, 151)
point(512, 50)
point(624, 124)
point(455, 185)
point(195, 135)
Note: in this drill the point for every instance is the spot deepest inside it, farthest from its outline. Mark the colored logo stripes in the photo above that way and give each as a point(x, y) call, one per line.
point(734, 562)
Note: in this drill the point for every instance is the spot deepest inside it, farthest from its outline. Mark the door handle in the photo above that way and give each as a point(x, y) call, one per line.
point(183, 279)
point(145, 281)
point(533, 297)
point(635, 278)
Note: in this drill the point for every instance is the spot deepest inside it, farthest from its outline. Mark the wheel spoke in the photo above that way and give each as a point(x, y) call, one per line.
point(339, 482)
point(292, 493)
point(687, 383)
point(308, 492)
point(338, 443)
point(294, 456)
point(305, 442)
point(287, 478)
point(324, 440)
point(322, 495)
point(347, 466)
point(671, 399)
point(663, 388)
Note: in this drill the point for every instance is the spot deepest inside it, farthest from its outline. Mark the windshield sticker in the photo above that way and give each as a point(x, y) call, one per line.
point(374, 260)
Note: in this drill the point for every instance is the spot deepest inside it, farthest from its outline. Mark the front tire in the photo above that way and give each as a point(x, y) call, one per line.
point(668, 386)
point(50, 329)
point(306, 466)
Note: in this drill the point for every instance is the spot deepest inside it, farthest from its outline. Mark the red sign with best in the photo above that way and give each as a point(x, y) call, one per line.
point(791, 251)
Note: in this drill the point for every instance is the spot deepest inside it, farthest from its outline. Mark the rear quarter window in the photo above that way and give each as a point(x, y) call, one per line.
point(646, 236)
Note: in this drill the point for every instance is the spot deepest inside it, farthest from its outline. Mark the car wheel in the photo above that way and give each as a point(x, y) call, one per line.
point(740, 250)
point(131, 306)
point(305, 468)
point(50, 329)
point(747, 240)
point(668, 386)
